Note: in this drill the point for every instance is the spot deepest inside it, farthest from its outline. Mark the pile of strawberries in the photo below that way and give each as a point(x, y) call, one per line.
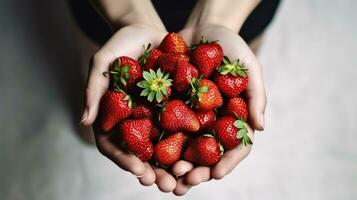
point(177, 102)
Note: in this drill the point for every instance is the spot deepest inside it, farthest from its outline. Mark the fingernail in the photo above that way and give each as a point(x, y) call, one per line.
point(139, 176)
point(262, 121)
point(179, 174)
point(85, 115)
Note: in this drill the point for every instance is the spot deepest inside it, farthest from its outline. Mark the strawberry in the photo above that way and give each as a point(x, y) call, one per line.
point(231, 132)
point(206, 119)
point(148, 59)
point(183, 75)
point(232, 78)
point(168, 150)
point(167, 62)
point(135, 134)
point(236, 107)
point(205, 95)
point(206, 56)
point(203, 150)
point(114, 107)
point(177, 116)
point(125, 72)
point(142, 111)
point(156, 85)
point(173, 43)
point(154, 134)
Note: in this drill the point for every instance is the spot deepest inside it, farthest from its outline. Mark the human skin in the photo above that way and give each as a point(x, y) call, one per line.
point(135, 23)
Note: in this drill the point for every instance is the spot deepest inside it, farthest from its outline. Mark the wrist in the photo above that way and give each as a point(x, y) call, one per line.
point(228, 13)
point(120, 13)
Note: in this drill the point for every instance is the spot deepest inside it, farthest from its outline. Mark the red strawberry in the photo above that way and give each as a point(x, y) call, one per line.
point(156, 85)
point(203, 150)
point(154, 134)
point(125, 72)
point(142, 111)
point(148, 59)
point(114, 107)
point(177, 116)
point(232, 78)
point(136, 135)
point(168, 150)
point(236, 107)
point(206, 57)
point(206, 119)
point(205, 95)
point(146, 153)
point(231, 132)
point(167, 62)
point(173, 43)
point(183, 75)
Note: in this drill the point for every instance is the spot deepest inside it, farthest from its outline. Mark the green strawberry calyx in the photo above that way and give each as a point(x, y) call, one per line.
point(119, 74)
point(202, 41)
point(126, 97)
point(235, 68)
point(155, 85)
point(146, 55)
point(242, 133)
point(196, 90)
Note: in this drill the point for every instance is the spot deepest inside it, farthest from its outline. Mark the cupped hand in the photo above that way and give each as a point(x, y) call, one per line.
point(234, 48)
point(128, 41)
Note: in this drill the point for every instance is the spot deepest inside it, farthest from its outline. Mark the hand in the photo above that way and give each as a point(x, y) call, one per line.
point(127, 41)
point(234, 47)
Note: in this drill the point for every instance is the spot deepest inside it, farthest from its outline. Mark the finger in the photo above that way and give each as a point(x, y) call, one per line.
point(149, 176)
point(182, 187)
point(234, 47)
point(231, 159)
point(127, 41)
point(164, 181)
point(128, 162)
point(198, 175)
point(181, 167)
point(255, 92)
point(187, 35)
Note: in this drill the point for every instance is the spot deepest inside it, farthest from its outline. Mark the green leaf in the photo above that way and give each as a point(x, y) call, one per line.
point(239, 124)
point(142, 84)
point(125, 68)
point(159, 74)
point(164, 91)
point(145, 92)
point(152, 73)
point(126, 76)
point(234, 72)
point(242, 73)
point(247, 140)
point(123, 81)
point(147, 76)
point(126, 98)
point(151, 96)
point(166, 76)
point(203, 89)
point(130, 103)
point(226, 60)
point(158, 97)
point(167, 84)
point(241, 133)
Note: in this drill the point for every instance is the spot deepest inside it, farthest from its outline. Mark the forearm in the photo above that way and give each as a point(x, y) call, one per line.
point(119, 13)
point(228, 13)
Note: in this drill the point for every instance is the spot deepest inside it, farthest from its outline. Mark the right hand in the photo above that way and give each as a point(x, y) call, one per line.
point(128, 41)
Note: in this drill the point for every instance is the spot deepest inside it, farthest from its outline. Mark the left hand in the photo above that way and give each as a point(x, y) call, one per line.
point(234, 47)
